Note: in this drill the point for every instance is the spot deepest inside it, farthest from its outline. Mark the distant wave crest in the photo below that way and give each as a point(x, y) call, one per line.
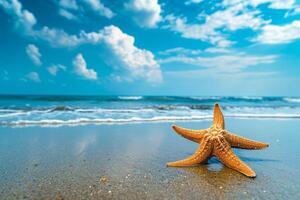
point(157, 99)
point(292, 100)
point(130, 97)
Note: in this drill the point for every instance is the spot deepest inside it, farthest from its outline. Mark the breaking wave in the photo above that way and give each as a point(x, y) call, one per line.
point(73, 110)
point(63, 115)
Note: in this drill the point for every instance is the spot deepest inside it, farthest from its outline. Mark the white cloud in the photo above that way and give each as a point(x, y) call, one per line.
point(99, 7)
point(67, 14)
point(223, 63)
point(33, 76)
point(281, 4)
point(292, 12)
point(25, 21)
point(139, 62)
point(57, 37)
point(71, 10)
point(34, 54)
point(273, 4)
point(181, 51)
point(230, 19)
point(195, 31)
point(53, 69)
point(66, 9)
point(146, 13)
point(23, 18)
point(276, 34)
point(193, 1)
point(68, 4)
point(232, 15)
point(81, 69)
point(217, 50)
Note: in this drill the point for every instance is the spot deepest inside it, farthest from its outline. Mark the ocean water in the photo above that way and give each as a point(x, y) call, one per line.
point(34, 110)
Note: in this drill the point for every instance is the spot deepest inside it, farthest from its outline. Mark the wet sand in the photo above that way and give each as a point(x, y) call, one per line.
point(128, 162)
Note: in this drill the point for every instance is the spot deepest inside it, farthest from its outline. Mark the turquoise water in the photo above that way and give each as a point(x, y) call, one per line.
point(34, 110)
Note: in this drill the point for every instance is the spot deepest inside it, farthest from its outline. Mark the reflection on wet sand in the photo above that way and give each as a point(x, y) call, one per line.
point(40, 163)
point(214, 178)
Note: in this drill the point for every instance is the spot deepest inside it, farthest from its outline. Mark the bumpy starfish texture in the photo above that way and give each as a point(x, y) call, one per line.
point(216, 141)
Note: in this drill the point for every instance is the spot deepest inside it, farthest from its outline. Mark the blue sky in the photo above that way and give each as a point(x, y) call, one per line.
point(150, 47)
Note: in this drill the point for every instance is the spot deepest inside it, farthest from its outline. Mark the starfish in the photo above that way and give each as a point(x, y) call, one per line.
point(216, 141)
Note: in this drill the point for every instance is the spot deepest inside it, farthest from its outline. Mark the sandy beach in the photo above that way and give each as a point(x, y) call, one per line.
point(127, 161)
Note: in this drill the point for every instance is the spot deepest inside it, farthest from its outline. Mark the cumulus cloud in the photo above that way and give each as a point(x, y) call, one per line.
point(81, 69)
point(230, 19)
point(54, 69)
point(232, 15)
point(57, 37)
point(73, 10)
point(279, 34)
point(139, 63)
point(34, 54)
point(25, 21)
point(66, 9)
point(146, 13)
point(33, 76)
point(99, 7)
point(23, 18)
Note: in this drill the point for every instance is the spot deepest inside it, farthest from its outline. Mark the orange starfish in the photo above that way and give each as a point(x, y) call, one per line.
point(215, 141)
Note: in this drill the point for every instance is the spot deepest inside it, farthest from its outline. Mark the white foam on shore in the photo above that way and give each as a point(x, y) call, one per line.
point(81, 121)
point(67, 115)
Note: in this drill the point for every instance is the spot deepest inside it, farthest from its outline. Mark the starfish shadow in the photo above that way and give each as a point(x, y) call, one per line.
point(212, 167)
point(251, 159)
point(215, 177)
point(214, 160)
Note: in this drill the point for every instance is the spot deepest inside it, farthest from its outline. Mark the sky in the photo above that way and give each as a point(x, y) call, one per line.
point(150, 47)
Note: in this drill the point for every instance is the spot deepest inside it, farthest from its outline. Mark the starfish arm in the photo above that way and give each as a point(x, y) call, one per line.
point(243, 143)
point(223, 151)
point(193, 135)
point(201, 155)
point(218, 120)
